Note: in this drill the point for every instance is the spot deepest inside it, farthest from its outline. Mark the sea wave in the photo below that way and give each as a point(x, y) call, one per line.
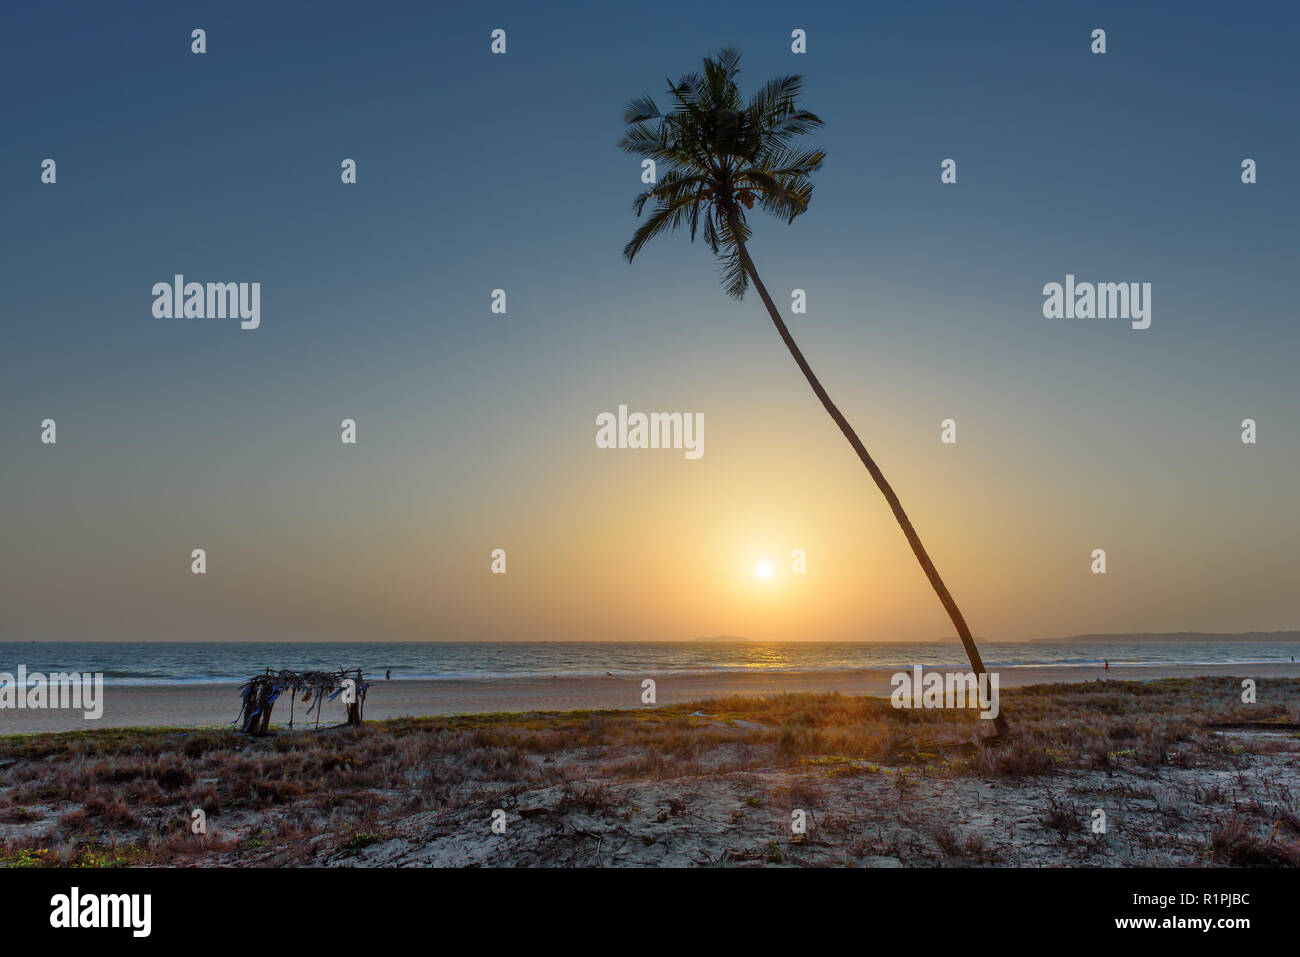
point(176, 663)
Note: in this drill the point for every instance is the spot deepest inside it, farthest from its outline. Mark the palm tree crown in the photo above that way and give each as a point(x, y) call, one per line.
point(722, 156)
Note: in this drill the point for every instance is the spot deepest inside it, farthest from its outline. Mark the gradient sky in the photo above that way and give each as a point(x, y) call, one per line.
point(476, 431)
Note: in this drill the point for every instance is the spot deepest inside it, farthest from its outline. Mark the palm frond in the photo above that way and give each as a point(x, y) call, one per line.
point(641, 109)
point(671, 186)
point(665, 217)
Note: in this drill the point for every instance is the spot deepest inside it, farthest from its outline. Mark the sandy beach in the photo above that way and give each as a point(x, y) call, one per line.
point(215, 705)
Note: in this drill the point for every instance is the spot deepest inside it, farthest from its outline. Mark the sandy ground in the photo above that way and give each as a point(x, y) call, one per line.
point(1180, 775)
point(886, 818)
point(218, 704)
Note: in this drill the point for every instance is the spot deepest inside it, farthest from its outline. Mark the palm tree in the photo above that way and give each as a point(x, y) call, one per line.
point(722, 156)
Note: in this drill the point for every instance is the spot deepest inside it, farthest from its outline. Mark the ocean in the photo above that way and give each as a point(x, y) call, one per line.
point(191, 662)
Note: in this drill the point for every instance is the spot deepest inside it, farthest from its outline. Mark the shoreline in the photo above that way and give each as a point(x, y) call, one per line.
point(1004, 669)
point(217, 704)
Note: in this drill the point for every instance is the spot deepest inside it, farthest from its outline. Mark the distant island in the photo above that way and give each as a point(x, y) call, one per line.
point(1182, 636)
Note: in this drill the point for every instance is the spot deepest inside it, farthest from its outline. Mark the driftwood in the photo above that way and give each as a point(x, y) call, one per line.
point(262, 691)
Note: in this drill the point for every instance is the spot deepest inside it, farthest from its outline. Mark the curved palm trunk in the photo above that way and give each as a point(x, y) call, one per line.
point(904, 522)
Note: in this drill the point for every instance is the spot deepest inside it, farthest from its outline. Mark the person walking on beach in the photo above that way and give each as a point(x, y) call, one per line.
point(388, 675)
point(1106, 663)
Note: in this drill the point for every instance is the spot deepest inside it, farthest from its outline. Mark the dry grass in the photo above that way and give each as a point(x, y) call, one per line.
point(117, 797)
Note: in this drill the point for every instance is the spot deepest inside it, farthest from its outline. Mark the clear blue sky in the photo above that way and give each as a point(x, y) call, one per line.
point(480, 171)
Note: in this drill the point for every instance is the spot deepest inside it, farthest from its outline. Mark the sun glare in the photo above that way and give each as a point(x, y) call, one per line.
point(763, 570)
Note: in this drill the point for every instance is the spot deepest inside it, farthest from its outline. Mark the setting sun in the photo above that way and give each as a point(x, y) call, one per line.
point(763, 570)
